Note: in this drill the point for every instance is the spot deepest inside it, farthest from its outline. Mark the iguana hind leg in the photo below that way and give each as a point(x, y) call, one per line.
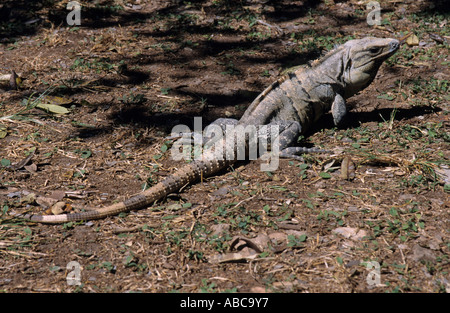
point(288, 134)
point(220, 125)
point(209, 135)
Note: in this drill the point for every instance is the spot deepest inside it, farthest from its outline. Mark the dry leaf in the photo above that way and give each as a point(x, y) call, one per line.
point(249, 249)
point(328, 166)
point(22, 163)
point(13, 81)
point(58, 208)
point(57, 194)
point(437, 38)
point(233, 257)
point(278, 237)
point(29, 198)
point(287, 286)
point(347, 169)
point(350, 232)
point(420, 254)
point(443, 173)
point(68, 175)
point(46, 202)
point(3, 131)
point(412, 40)
point(258, 289)
point(220, 229)
point(54, 104)
point(259, 243)
point(56, 100)
point(52, 108)
point(32, 168)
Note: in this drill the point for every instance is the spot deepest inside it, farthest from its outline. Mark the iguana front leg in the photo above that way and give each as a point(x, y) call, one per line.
point(338, 110)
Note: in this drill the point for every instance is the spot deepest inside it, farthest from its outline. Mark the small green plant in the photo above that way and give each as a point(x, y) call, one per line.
point(132, 261)
point(328, 215)
point(84, 154)
point(296, 241)
point(99, 65)
point(195, 255)
point(231, 69)
point(132, 98)
point(207, 287)
point(302, 173)
point(29, 104)
point(402, 224)
point(108, 266)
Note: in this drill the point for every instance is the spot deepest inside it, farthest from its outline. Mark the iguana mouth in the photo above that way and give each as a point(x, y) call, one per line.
point(393, 46)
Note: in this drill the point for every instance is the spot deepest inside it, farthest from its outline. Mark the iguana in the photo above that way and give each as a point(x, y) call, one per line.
point(293, 102)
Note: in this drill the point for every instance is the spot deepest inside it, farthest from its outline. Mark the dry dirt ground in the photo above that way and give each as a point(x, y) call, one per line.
point(87, 127)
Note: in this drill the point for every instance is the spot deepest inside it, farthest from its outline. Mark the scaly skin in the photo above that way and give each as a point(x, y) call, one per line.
point(187, 174)
point(294, 102)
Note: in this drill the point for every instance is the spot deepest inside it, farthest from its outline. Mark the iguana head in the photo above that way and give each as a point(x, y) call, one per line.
point(363, 58)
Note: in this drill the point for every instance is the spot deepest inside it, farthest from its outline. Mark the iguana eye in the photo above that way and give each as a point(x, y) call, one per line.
point(375, 50)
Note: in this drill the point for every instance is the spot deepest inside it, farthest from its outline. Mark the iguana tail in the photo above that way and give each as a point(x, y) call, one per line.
point(188, 174)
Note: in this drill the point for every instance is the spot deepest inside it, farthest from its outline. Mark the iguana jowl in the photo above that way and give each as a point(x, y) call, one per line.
point(293, 102)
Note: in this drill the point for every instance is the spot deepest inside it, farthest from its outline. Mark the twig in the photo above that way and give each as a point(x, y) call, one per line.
point(239, 203)
point(278, 28)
